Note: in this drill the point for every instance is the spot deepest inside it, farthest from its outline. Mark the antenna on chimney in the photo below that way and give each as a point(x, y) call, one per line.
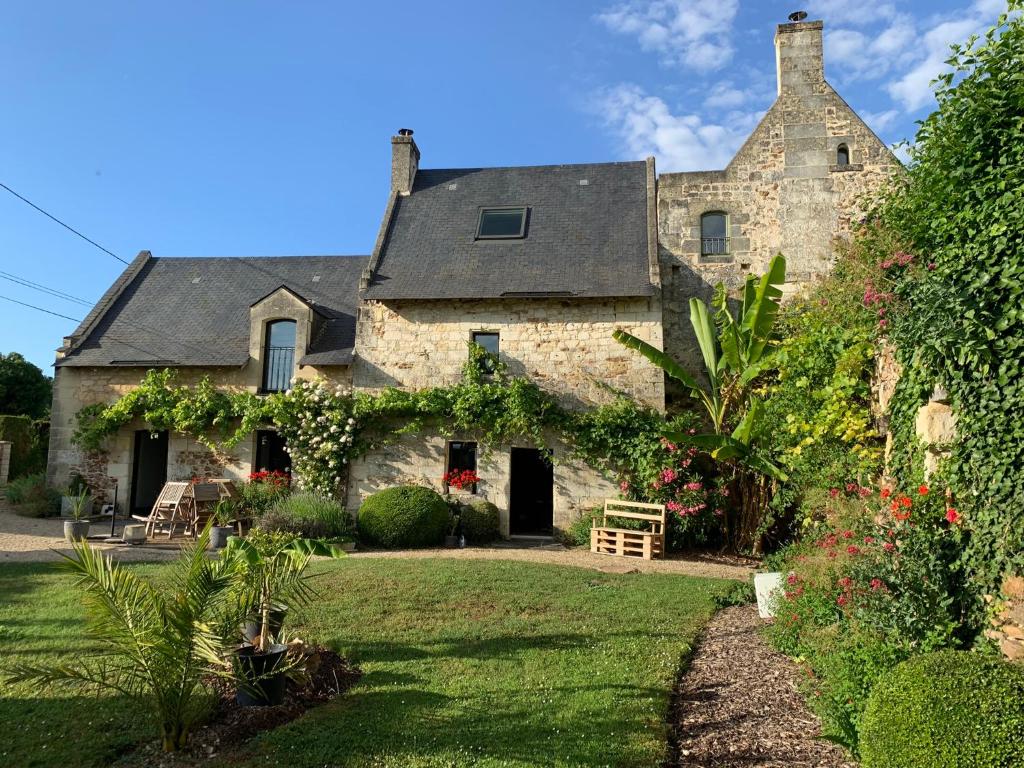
point(798, 16)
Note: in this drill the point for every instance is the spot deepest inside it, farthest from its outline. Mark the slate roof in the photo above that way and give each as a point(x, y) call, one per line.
point(195, 311)
point(581, 240)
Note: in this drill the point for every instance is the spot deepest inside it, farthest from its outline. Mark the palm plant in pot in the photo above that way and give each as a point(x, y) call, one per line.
point(272, 578)
point(77, 528)
point(159, 643)
point(225, 513)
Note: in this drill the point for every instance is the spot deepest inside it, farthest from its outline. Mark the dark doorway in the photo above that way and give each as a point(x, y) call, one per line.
point(271, 455)
point(149, 469)
point(531, 493)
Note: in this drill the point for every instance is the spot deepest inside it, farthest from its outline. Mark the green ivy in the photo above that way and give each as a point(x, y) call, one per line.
point(956, 293)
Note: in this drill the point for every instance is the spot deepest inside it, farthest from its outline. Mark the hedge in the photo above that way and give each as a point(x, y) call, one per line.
point(949, 708)
point(404, 516)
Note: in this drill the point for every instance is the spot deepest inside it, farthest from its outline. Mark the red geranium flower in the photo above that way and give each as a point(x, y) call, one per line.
point(888, 546)
point(853, 549)
point(876, 584)
point(886, 493)
point(922, 490)
point(952, 516)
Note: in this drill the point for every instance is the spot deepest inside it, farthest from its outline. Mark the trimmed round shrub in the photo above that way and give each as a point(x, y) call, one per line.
point(949, 708)
point(479, 519)
point(404, 516)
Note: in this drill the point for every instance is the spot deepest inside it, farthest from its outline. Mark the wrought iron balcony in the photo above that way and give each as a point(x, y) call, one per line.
point(714, 246)
point(278, 366)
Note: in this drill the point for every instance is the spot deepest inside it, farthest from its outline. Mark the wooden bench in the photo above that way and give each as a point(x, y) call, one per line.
point(626, 542)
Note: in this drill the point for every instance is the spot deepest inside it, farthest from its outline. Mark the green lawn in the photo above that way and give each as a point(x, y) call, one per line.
point(465, 663)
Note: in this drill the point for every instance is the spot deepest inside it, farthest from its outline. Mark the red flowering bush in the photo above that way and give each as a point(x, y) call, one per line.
point(460, 479)
point(861, 597)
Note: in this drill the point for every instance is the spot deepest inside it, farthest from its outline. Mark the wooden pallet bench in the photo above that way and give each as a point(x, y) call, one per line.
point(627, 542)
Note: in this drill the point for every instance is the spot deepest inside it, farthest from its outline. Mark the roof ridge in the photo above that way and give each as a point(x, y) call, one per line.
point(536, 167)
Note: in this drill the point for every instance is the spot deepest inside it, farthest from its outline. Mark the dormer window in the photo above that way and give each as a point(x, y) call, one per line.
point(842, 155)
point(501, 223)
point(278, 355)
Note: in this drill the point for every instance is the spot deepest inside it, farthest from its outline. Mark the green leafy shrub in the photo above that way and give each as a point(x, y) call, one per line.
point(31, 496)
point(308, 515)
point(404, 516)
point(578, 531)
point(480, 522)
point(949, 708)
point(28, 440)
point(263, 491)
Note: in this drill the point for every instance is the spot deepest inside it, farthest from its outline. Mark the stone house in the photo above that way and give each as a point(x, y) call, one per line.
point(537, 264)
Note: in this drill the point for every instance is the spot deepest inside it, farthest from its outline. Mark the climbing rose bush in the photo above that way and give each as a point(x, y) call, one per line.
point(316, 420)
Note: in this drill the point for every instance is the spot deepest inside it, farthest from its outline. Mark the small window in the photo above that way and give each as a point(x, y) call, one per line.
point(501, 223)
point(279, 355)
point(461, 458)
point(843, 155)
point(489, 342)
point(714, 237)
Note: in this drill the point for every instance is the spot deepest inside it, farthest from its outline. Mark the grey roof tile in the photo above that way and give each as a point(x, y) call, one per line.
point(164, 316)
point(581, 240)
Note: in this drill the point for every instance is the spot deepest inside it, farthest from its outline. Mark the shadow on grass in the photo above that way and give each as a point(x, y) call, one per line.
point(83, 731)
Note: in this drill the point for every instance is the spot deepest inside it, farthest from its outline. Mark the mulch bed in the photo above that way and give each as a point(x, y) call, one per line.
point(737, 705)
point(328, 675)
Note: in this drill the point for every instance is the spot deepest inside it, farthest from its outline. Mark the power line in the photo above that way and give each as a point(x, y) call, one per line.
point(33, 306)
point(71, 229)
point(42, 288)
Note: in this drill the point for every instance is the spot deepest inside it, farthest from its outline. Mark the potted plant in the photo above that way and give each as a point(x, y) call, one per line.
point(77, 528)
point(76, 487)
point(451, 540)
point(224, 514)
point(272, 578)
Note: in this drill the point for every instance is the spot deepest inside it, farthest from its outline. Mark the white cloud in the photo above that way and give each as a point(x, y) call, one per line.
point(868, 55)
point(855, 12)
point(725, 96)
point(690, 33)
point(880, 121)
point(646, 126)
point(913, 89)
point(892, 43)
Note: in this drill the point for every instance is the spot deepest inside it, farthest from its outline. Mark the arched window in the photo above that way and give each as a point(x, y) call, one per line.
point(842, 155)
point(714, 234)
point(278, 355)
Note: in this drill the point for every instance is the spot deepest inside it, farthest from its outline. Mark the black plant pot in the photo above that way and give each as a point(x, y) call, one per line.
point(251, 628)
point(259, 684)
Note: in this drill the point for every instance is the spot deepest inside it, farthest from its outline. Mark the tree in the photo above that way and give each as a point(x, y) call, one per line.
point(736, 350)
point(24, 390)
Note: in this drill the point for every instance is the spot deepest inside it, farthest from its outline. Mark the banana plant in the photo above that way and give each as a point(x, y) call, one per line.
point(736, 350)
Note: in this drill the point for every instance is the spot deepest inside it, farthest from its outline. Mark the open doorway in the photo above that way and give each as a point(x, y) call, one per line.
point(531, 493)
point(149, 469)
point(271, 455)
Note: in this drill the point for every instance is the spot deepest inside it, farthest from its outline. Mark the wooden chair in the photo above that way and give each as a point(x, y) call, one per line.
point(204, 497)
point(173, 507)
point(626, 542)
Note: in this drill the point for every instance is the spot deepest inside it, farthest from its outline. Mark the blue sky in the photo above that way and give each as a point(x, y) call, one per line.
point(257, 128)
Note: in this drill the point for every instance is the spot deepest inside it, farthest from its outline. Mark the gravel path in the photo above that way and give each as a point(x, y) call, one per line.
point(737, 705)
point(30, 539)
point(27, 539)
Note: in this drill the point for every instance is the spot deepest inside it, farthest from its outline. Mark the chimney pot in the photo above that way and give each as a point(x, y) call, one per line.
point(798, 16)
point(405, 131)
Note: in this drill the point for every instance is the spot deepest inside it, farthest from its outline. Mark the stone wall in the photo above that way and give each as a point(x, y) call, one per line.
point(783, 192)
point(421, 460)
point(76, 387)
point(566, 346)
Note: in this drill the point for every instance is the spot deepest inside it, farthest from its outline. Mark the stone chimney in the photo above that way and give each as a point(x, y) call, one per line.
point(798, 57)
point(405, 161)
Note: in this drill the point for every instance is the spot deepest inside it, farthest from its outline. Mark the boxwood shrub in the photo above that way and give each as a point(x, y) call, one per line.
point(949, 708)
point(480, 522)
point(404, 516)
